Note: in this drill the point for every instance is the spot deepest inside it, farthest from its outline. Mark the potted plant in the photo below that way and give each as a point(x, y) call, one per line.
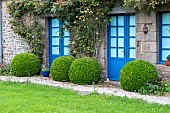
point(167, 62)
point(45, 72)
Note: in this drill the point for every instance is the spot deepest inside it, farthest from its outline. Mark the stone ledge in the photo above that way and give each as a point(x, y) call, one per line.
point(161, 67)
point(163, 71)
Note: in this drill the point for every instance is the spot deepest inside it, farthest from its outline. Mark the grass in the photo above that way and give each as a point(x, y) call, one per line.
point(31, 98)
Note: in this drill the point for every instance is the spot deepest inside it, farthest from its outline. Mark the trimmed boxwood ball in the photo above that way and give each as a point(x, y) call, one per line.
point(25, 64)
point(85, 71)
point(60, 68)
point(137, 73)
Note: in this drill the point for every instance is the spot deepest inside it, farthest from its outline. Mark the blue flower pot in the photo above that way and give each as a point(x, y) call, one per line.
point(45, 73)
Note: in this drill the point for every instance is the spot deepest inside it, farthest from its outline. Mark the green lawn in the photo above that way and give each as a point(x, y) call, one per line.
point(31, 98)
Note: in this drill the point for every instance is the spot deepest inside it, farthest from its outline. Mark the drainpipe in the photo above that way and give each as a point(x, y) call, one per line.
point(0, 32)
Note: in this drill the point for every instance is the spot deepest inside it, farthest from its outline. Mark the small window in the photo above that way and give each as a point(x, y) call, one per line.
point(164, 36)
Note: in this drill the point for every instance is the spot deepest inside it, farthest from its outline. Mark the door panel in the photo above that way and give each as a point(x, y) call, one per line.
point(121, 43)
point(58, 46)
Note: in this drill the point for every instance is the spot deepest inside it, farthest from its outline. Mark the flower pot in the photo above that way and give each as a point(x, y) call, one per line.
point(45, 73)
point(167, 63)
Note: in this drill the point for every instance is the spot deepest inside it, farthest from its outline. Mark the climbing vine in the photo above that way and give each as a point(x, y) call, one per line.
point(145, 5)
point(86, 21)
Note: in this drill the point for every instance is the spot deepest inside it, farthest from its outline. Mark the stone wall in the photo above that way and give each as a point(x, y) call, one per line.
point(11, 43)
point(147, 45)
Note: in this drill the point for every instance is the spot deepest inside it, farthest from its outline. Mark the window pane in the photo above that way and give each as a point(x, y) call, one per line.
point(55, 41)
point(120, 31)
point(113, 52)
point(66, 33)
point(165, 42)
point(55, 50)
point(165, 53)
point(113, 42)
point(132, 53)
point(132, 20)
point(66, 41)
point(66, 51)
point(132, 42)
point(120, 42)
point(55, 31)
point(120, 20)
point(55, 23)
point(132, 31)
point(166, 18)
point(113, 31)
point(113, 21)
point(165, 31)
point(121, 53)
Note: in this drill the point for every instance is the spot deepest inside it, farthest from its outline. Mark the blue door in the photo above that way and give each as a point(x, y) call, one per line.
point(58, 46)
point(121, 43)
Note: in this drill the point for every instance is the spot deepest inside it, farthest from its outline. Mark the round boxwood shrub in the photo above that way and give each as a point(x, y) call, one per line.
point(85, 71)
point(25, 64)
point(137, 73)
point(60, 68)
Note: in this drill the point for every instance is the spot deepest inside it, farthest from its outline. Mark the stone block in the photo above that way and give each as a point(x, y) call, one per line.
point(145, 18)
point(140, 36)
point(138, 56)
point(154, 47)
point(145, 47)
point(153, 58)
point(102, 63)
point(162, 68)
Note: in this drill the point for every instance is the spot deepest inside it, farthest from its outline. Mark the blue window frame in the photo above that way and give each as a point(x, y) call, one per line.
point(58, 46)
point(164, 36)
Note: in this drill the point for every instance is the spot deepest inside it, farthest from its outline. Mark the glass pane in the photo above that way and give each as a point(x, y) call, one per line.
point(55, 23)
point(113, 52)
point(166, 18)
point(55, 41)
point(132, 31)
point(66, 41)
point(165, 31)
point(55, 31)
point(165, 42)
point(132, 53)
point(113, 31)
point(132, 20)
point(113, 21)
point(55, 50)
point(120, 20)
point(121, 53)
point(66, 51)
point(120, 31)
point(120, 42)
point(113, 42)
point(66, 33)
point(165, 53)
point(132, 42)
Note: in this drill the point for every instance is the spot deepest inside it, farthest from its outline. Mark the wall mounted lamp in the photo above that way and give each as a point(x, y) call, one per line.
point(145, 29)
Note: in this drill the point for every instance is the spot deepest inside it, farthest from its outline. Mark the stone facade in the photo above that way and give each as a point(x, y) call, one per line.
point(11, 43)
point(147, 45)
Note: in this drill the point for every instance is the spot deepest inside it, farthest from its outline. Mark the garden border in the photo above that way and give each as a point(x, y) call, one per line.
point(87, 89)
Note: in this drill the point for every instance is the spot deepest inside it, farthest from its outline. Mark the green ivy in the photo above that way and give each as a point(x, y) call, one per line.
point(29, 29)
point(146, 5)
point(85, 19)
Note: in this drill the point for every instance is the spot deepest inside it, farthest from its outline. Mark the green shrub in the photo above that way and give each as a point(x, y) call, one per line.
point(136, 74)
point(60, 68)
point(85, 71)
point(25, 64)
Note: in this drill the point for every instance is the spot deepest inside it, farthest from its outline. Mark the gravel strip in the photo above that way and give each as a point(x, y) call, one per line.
point(87, 89)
